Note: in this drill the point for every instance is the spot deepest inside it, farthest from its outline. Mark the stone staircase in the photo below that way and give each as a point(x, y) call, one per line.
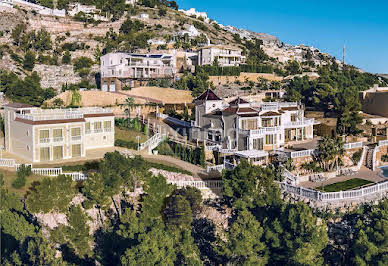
point(152, 142)
point(368, 160)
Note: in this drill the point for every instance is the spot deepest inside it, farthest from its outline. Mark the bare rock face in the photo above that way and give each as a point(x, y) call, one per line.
point(56, 76)
point(9, 18)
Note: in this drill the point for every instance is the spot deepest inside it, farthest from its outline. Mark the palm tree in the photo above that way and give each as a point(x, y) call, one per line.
point(330, 151)
point(128, 105)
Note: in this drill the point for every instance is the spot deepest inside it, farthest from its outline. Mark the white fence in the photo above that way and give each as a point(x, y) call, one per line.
point(300, 154)
point(205, 184)
point(218, 168)
point(353, 145)
point(7, 162)
point(332, 196)
point(383, 143)
point(173, 120)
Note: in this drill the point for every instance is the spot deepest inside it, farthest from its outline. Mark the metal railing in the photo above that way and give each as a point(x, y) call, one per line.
point(45, 140)
point(98, 130)
point(58, 139)
point(108, 129)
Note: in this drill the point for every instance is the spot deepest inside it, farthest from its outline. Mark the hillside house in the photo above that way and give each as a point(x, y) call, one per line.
point(242, 129)
point(225, 55)
point(43, 135)
point(90, 11)
point(119, 68)
point(6, 3)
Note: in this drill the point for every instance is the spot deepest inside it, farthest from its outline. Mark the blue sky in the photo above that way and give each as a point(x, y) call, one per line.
point(328, 25)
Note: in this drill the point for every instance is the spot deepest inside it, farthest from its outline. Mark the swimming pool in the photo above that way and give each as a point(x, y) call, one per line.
point(385, 171)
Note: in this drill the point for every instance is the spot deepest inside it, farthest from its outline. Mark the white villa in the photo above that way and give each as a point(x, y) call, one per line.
point(6, 3)
point(242, 129)
point(226, 55)
point(43, 135)
point(192, 12)
point(117, 67)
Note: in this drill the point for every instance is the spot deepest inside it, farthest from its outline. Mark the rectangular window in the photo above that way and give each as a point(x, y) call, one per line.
point(266, 122)
point(258, 144)
point(57, 133)
point(76, 150)
point(44, 134)
point(45, 154)
point(76, 131)
point(293, 117)
point(57, 152)
point(87, 127)
point(107, 124)
point(269, 139)
point(249, 124)
point(97, 126)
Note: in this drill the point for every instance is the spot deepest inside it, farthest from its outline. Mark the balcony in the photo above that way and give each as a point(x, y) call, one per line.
point(98, 130)
point(58, 139)
point(45, 140)
point(262, 131)
point(88, 131)
point(298, 124)
point(76, 138)
point(108, 129)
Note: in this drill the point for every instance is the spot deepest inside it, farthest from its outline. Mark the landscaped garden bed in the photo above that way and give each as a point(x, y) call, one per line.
point(345, 185)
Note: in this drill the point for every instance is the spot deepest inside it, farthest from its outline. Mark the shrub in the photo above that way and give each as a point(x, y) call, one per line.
point(22, 173)
point(29, 61)
point(126, 144)
point(66, 58)
point(82, 62)
point(356, 157)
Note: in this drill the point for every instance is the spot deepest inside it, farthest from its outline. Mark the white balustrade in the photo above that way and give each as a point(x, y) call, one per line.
point(300, 154)
point(7, 162)
point(45, 140)
point(333, 196)
point(203, 184)
point(353, 145)
point(217, 168)
point(383, 143)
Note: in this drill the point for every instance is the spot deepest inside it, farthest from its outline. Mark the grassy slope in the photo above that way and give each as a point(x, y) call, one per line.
point(10, 176)
point(129, 135)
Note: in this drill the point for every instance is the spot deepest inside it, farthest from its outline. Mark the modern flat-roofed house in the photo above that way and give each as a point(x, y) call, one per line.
point(43, 135)
point(243, 129)
point(225, 55)
point(119, 68)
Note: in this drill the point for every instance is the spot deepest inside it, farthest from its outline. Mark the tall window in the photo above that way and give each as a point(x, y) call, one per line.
point(76, 150)
point(107, 124)
point(76, 131)
point(270, 139)
point(97, 127)
point(44, 135)
point(45, 154)
point(87, 127)
point(57, 152)
point(266, 122)
point(293, 117)
point(57, 135)
point(249, 124)
point(258, 144)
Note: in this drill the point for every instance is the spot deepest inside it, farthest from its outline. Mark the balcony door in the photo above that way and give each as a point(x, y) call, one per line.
point(58, 152)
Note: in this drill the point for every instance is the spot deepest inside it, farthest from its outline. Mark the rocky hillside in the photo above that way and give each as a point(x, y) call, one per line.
point(90, 39)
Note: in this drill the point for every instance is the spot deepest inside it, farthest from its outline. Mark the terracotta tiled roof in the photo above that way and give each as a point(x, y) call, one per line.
point(18, 105)
point(48, 122)
point(246, 110)
point(238, 101)
point(209, 95)
point(271, 114)
point(290, 108)
point(232, 110)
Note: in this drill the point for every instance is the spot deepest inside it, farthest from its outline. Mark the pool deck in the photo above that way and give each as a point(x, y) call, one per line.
point(364, 173)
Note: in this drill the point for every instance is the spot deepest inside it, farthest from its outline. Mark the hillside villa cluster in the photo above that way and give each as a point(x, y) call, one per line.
point(123, 69)
point(241, 129)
